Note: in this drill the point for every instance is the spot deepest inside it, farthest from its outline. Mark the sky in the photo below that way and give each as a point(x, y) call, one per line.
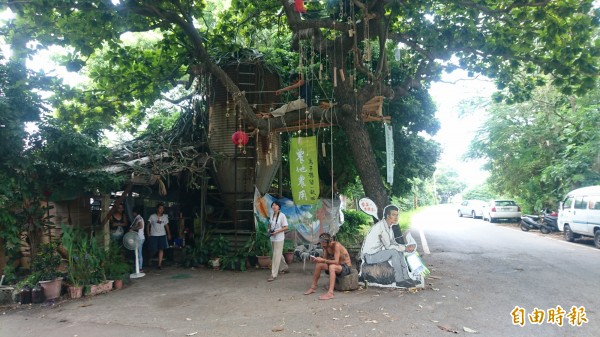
point(456, 131)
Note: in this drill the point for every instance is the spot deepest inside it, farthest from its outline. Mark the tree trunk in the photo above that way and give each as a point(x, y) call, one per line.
point(364, 159)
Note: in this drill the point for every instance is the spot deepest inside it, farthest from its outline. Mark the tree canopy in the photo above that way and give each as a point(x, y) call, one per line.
point(541, 149)
point(372, 47)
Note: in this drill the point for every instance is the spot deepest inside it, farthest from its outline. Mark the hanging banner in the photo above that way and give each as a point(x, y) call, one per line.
point(389, 149)
point(304, 170)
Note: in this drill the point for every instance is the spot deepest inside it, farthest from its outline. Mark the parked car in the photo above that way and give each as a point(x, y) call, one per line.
point(472, 208)
point(496, 210)
point(579, 214)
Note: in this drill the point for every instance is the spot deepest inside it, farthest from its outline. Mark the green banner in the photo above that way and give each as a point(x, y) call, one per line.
point(304, 170)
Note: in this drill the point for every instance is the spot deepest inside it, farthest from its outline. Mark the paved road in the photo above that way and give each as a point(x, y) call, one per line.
point(498, 267)
point(480, 273)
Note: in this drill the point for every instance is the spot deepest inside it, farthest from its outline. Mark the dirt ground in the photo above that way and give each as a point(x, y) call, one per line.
point(180, 302)
point(471, 287)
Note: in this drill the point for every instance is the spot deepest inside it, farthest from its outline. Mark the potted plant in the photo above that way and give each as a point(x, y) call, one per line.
point(262, 248)
point(115, 266)
point(288, 251)
point(96, 262)
point(46, 264)
point(218, 248)
point(236, 260)
point(77, 248)
point(249, 251)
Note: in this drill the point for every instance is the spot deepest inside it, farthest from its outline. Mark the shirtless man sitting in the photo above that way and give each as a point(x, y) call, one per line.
point(335, 262)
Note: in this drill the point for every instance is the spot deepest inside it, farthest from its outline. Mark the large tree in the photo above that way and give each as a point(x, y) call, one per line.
point(519, 43)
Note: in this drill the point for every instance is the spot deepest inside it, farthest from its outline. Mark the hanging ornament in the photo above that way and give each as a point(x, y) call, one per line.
point(240, 139)
point(299, 6)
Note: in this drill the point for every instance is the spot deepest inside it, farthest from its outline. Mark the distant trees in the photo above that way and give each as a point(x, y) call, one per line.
point(448, 184)
point(540, 149)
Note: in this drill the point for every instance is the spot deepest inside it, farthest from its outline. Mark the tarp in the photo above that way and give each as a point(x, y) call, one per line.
point(306, 222)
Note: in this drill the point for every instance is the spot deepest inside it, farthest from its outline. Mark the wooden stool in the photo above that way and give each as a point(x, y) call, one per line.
point(348, 282)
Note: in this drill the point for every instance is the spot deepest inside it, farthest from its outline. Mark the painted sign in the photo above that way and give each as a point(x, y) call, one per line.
point(368, 206)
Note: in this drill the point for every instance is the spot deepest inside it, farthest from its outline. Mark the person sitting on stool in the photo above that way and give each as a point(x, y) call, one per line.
point(335, 262)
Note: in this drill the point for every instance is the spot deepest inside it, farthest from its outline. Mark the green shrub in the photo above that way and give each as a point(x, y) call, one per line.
point(354, 229)
point(115, 266)
point(47, 261)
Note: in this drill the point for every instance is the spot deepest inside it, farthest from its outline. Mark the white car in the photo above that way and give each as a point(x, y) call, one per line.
point(502, 209)
point(472, 208)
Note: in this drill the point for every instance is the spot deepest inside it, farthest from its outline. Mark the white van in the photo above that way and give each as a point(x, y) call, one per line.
point(579, 214)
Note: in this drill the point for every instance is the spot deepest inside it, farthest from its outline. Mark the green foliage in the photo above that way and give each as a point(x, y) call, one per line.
point(201, 252)
point(448, 184)
point(480, 192)
point(194, 256)
point(356, 225)
point(54, 158)
point(288, 246)
point(115, 266)
point(76, 243)
point(539, 150)
point(422, 193)
point(235, 261)
point(405, 219)
point(259, 240)
point(95, 261)
point(31, 280)
point(10, 274)
point(520, 45)
point(46, 262)
point(218, 247)
point(262, 245)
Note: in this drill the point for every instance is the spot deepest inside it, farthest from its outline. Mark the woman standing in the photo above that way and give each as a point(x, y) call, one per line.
point(137, 225)
point(158, 233)
point(277, 226)
point(118, 223)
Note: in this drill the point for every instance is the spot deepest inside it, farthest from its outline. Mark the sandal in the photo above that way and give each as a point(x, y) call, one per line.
point(271, 279)
point(284, 271)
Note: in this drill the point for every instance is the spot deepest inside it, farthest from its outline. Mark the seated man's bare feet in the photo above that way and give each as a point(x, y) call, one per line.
point(327, 296)
point(310, 291)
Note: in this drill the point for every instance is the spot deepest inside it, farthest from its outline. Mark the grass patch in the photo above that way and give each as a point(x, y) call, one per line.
point(405, 217)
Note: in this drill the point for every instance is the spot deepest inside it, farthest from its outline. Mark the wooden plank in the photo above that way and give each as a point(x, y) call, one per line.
point(302, 127)
point(374, 106)
point(377, 119)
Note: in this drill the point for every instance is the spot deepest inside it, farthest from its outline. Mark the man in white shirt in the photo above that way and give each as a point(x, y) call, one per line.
point(380, 246)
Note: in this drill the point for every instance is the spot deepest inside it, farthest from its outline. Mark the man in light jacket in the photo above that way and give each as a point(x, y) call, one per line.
point(380, 246)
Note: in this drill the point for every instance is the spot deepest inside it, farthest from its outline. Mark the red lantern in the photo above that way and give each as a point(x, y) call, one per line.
point(47, 194)
point(239, 138)
point(299, 6)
